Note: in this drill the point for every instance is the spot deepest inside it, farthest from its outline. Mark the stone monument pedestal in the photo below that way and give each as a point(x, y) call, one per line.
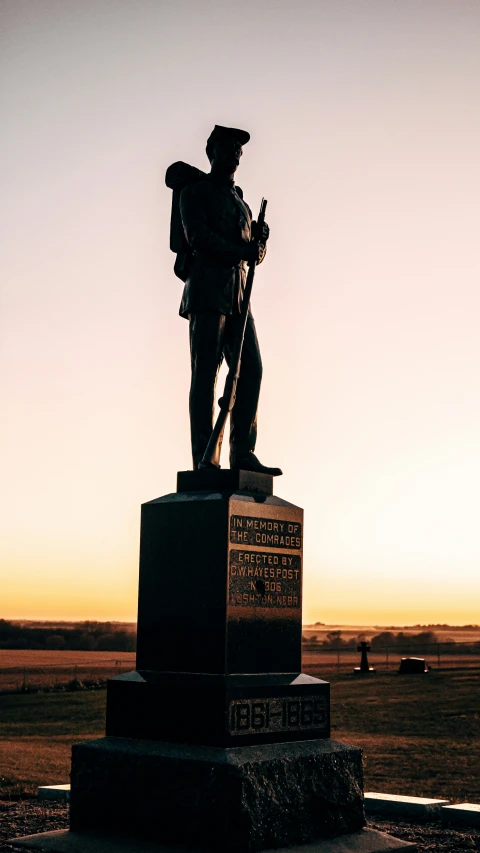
point(219, 620)
point(217, 741)
point(241, 799)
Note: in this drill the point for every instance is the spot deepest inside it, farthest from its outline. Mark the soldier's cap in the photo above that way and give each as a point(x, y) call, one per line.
point(227, 132)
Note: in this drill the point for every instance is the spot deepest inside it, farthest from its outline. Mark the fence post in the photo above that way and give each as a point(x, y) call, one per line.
point(338, 660)
point(386, 658)
point(24, 678)
point(438, 655)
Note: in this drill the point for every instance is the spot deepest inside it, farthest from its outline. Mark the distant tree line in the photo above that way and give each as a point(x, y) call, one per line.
point(421, 642)
point(400, 639)
point(333, 640)
point(438, 625)
point(82, 636)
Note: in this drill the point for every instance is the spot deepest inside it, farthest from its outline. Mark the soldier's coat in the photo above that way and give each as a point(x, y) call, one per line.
point(217, 224)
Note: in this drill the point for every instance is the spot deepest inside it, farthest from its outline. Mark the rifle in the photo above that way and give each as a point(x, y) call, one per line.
point(211, 457)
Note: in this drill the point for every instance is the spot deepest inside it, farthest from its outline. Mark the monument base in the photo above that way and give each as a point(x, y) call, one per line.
point(243, 799)
point(218, 710)
point(65, 841)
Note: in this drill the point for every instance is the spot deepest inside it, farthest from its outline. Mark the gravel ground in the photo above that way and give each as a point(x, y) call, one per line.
point(30, 816)
point(27, 817)
point(431, 836)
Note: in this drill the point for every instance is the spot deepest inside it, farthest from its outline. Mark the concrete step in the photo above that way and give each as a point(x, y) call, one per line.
point(398, 805)
point(462, 814)
point(54, 792)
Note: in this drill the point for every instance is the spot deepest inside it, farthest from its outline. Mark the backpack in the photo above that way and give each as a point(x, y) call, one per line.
point(178, 176)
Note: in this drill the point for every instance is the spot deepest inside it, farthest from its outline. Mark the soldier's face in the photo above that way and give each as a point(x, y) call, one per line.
point(226, 156)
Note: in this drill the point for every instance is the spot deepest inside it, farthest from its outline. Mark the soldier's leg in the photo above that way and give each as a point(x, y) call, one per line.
point(207, 330)
point(243, 418)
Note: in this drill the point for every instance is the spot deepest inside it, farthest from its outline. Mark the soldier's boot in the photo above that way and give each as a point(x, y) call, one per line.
point(249, 462)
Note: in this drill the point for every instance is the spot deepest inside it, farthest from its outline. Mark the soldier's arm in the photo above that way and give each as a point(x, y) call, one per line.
point(261, 237)
point(198, 233)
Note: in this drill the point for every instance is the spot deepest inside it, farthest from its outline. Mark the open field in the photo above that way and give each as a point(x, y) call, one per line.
point(37, 731)
point(446, 648)
point(41, 670)
point(325, 662)
point(421, 734)
point(31, 658)
point(20, 669)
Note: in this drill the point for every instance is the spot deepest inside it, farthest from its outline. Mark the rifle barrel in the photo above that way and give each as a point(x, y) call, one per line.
point(211, 457)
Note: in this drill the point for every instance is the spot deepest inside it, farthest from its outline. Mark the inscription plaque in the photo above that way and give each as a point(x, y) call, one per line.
point(265, 532)
point(284, 714)
point(264, 579)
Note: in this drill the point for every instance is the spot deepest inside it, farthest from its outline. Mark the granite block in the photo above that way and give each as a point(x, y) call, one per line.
point(242, 799)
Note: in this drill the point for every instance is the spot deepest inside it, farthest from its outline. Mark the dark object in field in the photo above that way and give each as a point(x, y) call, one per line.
point(364, 668)
point(413, 666)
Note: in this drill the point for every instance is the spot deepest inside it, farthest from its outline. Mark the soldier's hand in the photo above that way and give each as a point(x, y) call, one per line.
point(254, 253)
point(261, 235)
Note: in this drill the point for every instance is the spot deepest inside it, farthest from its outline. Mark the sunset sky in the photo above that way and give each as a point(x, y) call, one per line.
point(365, 131)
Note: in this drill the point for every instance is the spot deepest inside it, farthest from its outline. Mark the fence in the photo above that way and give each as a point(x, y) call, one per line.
point(446, 655)
point(57, 676)
point(317, 659)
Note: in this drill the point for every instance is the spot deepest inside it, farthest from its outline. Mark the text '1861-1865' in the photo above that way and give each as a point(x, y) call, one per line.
point(282, 714)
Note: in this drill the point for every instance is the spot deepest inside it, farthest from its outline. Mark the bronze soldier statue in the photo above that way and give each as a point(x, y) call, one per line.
point(215, 238)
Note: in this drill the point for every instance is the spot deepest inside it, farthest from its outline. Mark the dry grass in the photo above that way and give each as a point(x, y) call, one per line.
point(37, 732)
point(24, 657)
point(29, 762)
point(420, 734)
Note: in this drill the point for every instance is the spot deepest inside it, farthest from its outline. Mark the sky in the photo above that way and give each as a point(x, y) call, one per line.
point(365, 130)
